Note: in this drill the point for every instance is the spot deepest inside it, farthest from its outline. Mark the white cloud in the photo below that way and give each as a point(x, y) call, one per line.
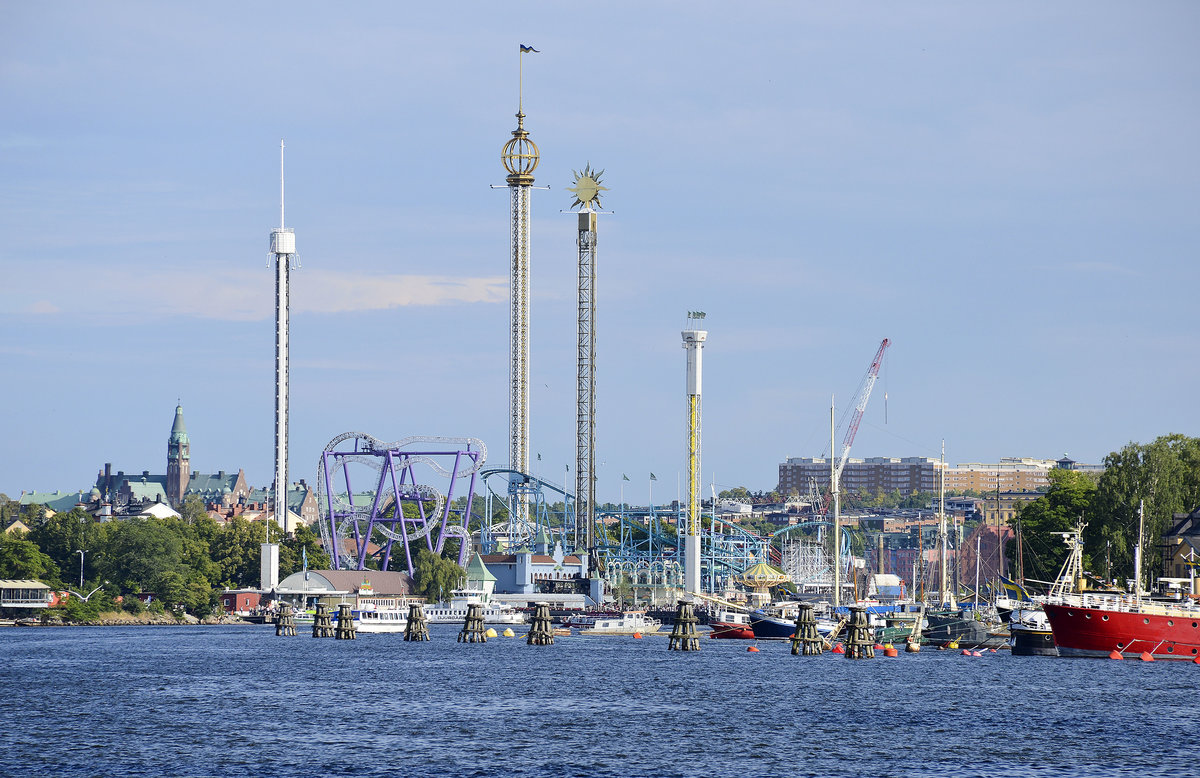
point(239, 295)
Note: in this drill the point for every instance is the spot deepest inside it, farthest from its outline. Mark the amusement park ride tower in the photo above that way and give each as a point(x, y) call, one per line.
point(587, 194)
point(520, 158)
point(283, 247)
point(693, 342)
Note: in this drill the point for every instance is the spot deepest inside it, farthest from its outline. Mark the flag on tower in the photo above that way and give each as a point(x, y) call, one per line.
point(652, 477)
point(527, 49)
point(624, 477)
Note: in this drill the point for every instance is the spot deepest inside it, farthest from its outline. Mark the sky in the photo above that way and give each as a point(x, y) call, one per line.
point(1007, 191)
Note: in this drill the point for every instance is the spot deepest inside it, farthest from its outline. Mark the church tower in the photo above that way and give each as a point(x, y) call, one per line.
point(178, 467)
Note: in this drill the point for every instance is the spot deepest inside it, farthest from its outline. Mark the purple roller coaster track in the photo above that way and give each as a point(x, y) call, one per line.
point(391, 505)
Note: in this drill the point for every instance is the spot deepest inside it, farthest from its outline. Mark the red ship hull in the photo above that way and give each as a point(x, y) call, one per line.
point(1165, 632)
point(724, 629)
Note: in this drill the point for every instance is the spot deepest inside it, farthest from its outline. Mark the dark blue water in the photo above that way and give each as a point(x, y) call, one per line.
point(235, 701)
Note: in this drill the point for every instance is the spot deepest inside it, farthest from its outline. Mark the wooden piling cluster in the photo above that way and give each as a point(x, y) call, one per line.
point(285, 621)
point(806, 639)
point(322, 623)
point(416, 628)
point(345, 623)
point(683, 635)
point(473, 629)
point(541, 632)
point(860, 644)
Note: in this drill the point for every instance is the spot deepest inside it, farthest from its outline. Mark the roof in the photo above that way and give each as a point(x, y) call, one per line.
point(382, 582)
point(211, 484)
point(296, 495)
point(22, 583)
point(762, 574)
point(477, 570)
point(56, 501)
point(178, 430)
point(160, 510)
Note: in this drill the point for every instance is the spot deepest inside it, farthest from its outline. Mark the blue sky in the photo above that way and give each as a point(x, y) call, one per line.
point(1008, 191)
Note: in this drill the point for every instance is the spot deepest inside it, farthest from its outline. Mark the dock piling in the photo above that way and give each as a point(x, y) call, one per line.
point(806, 639)
point(345, 623)
point(285, 621)
point(683, 635)
point(473, 630)
point(322, 623)
point(416, 628)
point(859, 643)
point(541, 632)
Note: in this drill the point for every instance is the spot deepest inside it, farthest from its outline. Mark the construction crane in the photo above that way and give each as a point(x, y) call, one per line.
point(861, 398)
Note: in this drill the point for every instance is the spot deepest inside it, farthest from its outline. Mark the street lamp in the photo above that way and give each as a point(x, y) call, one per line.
point(81, 554)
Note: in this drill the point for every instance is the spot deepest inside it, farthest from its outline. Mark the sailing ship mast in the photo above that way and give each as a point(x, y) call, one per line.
point(945, 596)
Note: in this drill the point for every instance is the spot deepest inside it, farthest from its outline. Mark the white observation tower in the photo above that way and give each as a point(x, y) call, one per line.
point(283, 247)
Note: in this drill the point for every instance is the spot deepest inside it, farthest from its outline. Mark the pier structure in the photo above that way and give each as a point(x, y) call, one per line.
point(473, 630)
point(684, 636)
point(345, 623)
point(693, 343)
point(285, 621)
point(366, 486)
point(806, 639)
point(541, 631)
point(322, 622)
point(860, 643)
point(417, 627)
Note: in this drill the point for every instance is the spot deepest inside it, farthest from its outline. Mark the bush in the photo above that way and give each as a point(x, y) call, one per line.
point(133, 605)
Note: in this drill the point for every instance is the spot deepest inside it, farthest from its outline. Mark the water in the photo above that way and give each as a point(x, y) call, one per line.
point(235, 701)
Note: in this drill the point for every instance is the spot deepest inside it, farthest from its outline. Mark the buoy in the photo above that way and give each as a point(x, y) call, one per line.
point(912, 647)
point(491, 633)
point(838, 649)
point(976, 653)
point(966, 652)
point(508, 633)
point(1196, 660)
point(891, 651)
point(878, 646)
point(637, 636)
point(1115, 654)
point(1147, 656)
point(752, 648)
point(952, 644)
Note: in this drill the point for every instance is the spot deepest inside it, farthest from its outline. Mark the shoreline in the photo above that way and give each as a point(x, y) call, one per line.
point(122, 619)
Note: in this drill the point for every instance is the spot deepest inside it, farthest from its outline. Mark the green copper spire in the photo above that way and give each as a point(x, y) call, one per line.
point(178, 444)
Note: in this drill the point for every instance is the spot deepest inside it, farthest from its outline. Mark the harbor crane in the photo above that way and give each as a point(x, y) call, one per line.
point(860, 406)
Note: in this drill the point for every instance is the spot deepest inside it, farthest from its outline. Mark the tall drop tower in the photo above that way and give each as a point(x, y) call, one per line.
point(587, 194)
point(693, 343)
point(520, 158)
point(283, 247)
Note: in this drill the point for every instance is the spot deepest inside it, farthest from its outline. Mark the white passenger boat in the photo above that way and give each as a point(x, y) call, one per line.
point(455, 611)
point(372, 619)
point(626, 624)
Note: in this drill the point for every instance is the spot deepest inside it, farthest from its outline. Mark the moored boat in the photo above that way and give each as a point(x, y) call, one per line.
point(1030, 633)
point(372, 619)
point(628, 623)
point(1098, 624)
point(731, 625)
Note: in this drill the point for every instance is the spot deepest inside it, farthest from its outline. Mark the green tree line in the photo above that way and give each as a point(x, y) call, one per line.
point(184, 562)
point(1164, 474)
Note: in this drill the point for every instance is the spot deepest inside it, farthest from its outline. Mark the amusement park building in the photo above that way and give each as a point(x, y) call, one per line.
point(542, 574)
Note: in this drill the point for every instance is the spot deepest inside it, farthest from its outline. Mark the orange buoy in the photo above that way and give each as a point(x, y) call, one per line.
point(752, 648)
point(637, 636)
point(966, 652)
point(878, 646)
point(1196, 660)
point(1115, 654)
point(1147, 656)
point(891, 651)
point(838, 649)
point(976, 653)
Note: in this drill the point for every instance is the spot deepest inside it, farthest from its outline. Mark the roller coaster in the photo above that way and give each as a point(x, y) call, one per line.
point(379, 504)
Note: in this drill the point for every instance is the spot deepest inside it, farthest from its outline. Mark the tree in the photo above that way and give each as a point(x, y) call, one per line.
point(1166, 475)
point(434, 576)
point(21, 558)
point(739, 493)
point(1070, 499)
point(305, 539)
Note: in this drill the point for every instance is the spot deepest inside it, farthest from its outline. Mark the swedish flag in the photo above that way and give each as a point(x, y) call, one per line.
point(1013, 589)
